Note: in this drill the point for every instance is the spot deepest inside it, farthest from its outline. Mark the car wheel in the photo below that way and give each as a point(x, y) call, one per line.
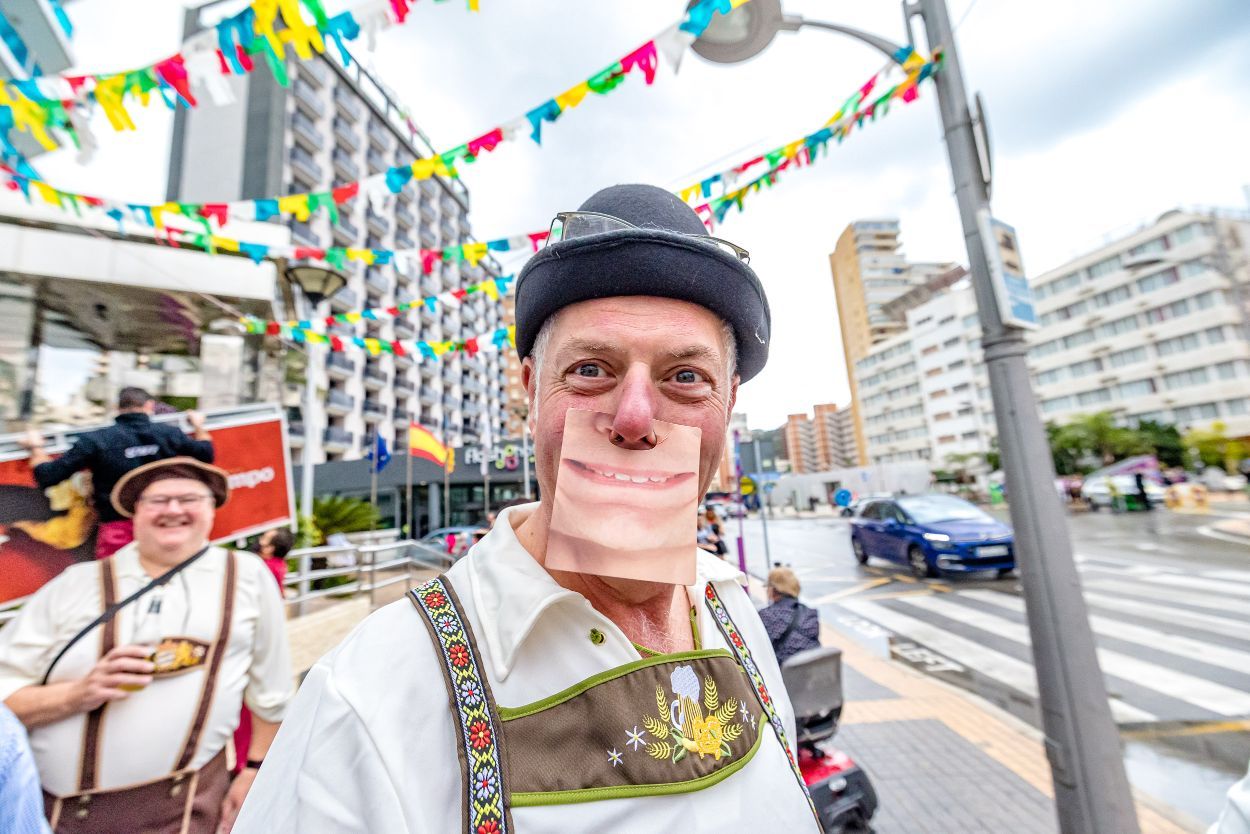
point(861, 555)
point(1005, 573)
point(919, 564)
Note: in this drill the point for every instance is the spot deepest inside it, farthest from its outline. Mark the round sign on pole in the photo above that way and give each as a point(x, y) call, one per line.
point(746, 485)
point(842, 498)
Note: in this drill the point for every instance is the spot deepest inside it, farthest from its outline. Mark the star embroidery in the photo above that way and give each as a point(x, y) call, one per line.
point(752, 717)
point(635, 737)
point(614, 757)
point(745, 712)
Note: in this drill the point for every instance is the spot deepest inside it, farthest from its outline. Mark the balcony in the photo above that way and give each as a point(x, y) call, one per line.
point(471, 408)
point(340, 366)
point(302, 161)
point(303, 233)
point(428, 396)
point(405, 216)
point(344, 165)
point(306, 129)
point(451, 233)
point(405, 387)
point(345, 231)
point(337, 440)
point(402, 241)
point(376, 162)
point(450, 325)
point(404, 361)
point(427, 208)
point(348, 103)
point(379, 135)
point(428, 317)
point(295, 435)
point(338, 402)
point(468, 315)
point(404, 330)
point(472, 386)
point(404, 296)
point(430, 189)
point(430, 285)
point(375, 378)
point(449, 206)
point(315, 71)
point(473, 363)
point(309, 98)
point(451, 403)
point(377, 281)
point(402, 417)
point(428, 237)
point(344, 300)
point(377, 223)
point(374, 411)
point(346, 134)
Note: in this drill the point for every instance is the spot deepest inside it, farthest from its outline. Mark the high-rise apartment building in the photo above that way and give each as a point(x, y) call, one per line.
point(869, 272)
point(820, 443)
point(34, 40)
point(336, 124)
point(1152, 326)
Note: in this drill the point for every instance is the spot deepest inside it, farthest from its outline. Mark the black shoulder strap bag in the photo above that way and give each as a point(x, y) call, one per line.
point(111, 611)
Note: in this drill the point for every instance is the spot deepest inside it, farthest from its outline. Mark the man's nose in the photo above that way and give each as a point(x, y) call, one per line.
point(633, 425)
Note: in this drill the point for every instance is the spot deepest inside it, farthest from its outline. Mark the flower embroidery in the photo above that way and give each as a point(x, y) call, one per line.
point(635, 737)
point(614, 756)
point(470, 692)
point(683, 721)
point(447, 623)
point(485, 782)
point(459, 654)
point(479, 734)
point(435, 599)
point(488, 827)
point(737, 641)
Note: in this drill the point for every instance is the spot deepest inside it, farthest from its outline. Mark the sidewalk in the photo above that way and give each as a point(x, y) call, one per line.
point(941, 759)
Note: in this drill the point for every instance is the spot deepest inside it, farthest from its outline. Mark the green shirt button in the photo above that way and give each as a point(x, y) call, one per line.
point(596, 636)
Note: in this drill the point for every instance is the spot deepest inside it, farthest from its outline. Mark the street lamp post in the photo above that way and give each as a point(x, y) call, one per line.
point(1092, 794)
point(316, 284)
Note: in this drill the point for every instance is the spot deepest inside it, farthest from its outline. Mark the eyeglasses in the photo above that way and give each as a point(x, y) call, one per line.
point(569, 225)
point(160, 502)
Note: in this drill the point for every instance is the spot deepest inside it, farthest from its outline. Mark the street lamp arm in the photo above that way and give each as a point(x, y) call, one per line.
point(885, 46)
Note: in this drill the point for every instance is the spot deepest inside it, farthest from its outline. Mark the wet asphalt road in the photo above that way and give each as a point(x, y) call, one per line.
point(1171, 615)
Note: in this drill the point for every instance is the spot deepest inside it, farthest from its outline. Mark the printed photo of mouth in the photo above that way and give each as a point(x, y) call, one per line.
point(625, 513)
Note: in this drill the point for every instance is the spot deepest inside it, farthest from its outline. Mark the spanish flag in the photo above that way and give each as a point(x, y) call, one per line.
point(422, 444)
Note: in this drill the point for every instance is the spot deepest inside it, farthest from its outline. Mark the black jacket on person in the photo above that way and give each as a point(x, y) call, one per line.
point(805, 634)
point(110, 453)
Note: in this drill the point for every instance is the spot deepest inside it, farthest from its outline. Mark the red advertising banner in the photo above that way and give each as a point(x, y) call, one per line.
point(44, 532)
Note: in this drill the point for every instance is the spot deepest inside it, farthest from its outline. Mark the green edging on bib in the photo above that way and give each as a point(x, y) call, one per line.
point(512, 713)
point(537, 798)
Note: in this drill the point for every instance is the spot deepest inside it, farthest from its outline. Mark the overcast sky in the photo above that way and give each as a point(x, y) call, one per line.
point(1103, 115)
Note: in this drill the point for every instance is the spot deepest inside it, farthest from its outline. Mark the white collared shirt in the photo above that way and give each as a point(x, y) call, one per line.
point(369, 744)
point(142, 735)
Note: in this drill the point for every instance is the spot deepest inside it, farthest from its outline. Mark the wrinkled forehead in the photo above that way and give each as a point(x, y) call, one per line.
point(175, 486)
point(640, 328)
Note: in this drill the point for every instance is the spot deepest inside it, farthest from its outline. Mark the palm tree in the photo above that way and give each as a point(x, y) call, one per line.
point(338, 514)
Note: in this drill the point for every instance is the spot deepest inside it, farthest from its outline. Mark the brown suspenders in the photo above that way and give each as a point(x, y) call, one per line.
point(89, 772)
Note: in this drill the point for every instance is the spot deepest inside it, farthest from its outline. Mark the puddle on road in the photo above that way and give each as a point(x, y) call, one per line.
point(1191, 773)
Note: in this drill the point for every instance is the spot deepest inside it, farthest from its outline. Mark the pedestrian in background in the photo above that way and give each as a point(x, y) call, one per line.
point(132, 441)
point(792, 626)
point(21, 800)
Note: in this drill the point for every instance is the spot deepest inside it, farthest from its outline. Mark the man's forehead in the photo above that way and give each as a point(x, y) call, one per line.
point(175, 486)
point(619, 324)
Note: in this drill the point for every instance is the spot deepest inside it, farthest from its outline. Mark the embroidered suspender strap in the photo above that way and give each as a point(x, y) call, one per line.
point(726, 624)
point(89, 768)
point(486, 805)
point(214, 666)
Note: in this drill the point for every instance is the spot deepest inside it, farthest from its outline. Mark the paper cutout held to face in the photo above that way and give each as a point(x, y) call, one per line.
point(625, 513)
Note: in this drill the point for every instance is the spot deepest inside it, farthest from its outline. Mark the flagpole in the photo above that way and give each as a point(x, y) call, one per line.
point(373, 488)
point(412, 522)
point(447, 494)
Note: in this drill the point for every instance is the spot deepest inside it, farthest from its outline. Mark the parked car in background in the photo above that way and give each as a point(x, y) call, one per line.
point(727, 509)
point(465, 536)
point(862, 501)
point(933, 534)
point(1098, 491)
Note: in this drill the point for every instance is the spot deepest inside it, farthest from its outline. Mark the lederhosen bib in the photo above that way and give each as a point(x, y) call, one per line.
point(700, 717)
point(185, 801)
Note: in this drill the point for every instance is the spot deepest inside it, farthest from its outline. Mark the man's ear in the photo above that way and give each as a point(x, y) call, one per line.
point(529, 380)
point(733, 396)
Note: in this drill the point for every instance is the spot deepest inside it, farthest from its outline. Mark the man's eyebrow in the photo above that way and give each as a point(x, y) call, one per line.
point(695, 352)
point(588, 346)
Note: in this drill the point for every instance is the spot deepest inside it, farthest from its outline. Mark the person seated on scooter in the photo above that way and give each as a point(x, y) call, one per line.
point(792, 626)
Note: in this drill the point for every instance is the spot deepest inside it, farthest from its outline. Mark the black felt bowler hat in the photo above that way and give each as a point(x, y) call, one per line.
point(662, 257)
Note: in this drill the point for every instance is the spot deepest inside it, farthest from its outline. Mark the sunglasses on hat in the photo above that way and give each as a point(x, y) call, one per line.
point(570, 225)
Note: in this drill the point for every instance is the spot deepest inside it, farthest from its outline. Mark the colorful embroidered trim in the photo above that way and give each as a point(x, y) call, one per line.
point(739, 646)
point(479, 733)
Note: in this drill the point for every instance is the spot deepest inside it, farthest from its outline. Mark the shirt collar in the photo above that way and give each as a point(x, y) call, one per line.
point(138, 418)
point(511, 590)
point(126, 563)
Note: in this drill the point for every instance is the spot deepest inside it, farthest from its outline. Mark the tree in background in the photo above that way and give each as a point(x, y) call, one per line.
point(1212, 447)
point(1164, 440)
point(337, 514)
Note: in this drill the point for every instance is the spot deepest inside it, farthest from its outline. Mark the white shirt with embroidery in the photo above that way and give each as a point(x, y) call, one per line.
point(143, 734)
point(369, 744)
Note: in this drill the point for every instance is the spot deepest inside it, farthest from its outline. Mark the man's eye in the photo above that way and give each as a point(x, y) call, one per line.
point(688, 377)
point(588, 369)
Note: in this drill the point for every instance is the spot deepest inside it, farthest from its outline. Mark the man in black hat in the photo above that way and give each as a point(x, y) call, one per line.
point(132, 441)
point(578, 702)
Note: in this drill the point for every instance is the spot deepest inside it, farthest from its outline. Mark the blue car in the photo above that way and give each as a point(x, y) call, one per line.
point(933, 534)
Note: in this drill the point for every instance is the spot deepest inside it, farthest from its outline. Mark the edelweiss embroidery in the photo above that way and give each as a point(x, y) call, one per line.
point(485, 800)
point(683, 720)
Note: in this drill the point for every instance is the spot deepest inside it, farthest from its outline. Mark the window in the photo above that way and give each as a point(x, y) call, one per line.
point(1106, 267)
point(1126, 357)
point(1045, 348)
point(929, 349)
point(971, 321)
point(1214, 335)
point(1112, 296)
point(1187, 233)
point(938, 394)
point(1056, 404)
point(1077, 339)
point(1158, 280)
point(1150, 247)
point(1231, 369)
point(1208, 299)
point(965, 411)
point(1204, 411)
point(963, 386)
point(946, 438)
point(1118, 326)
point(968, 435)
point(1190, 269)
point(946, 319)
point(1100, 395)
point(1137, 388)
point(958, 363)
point(1183, 379)
point(1168, 311)
point(1050, 377)
point(1235, 407)
point(922, 321)
point(944, 415)
point(933, 372)
point(951, 342)
point(1178, 344)
point(1089, 366)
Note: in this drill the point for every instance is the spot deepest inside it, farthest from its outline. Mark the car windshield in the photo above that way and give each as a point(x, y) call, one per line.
point(931, 509)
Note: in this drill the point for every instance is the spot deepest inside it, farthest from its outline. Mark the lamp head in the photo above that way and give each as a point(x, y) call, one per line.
point(316, 282)
point(741, 34)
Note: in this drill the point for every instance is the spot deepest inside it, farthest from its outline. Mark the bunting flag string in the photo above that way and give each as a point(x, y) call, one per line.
point(494, 289)
point(418, 349)
point(25, 108)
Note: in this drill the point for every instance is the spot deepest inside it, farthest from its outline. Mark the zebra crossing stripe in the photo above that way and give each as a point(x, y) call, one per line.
point(1166, 614)
point(1209, 695)
point(993, 664)
point(1216, 586)
point(1206, 601)
point(1230, 659)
